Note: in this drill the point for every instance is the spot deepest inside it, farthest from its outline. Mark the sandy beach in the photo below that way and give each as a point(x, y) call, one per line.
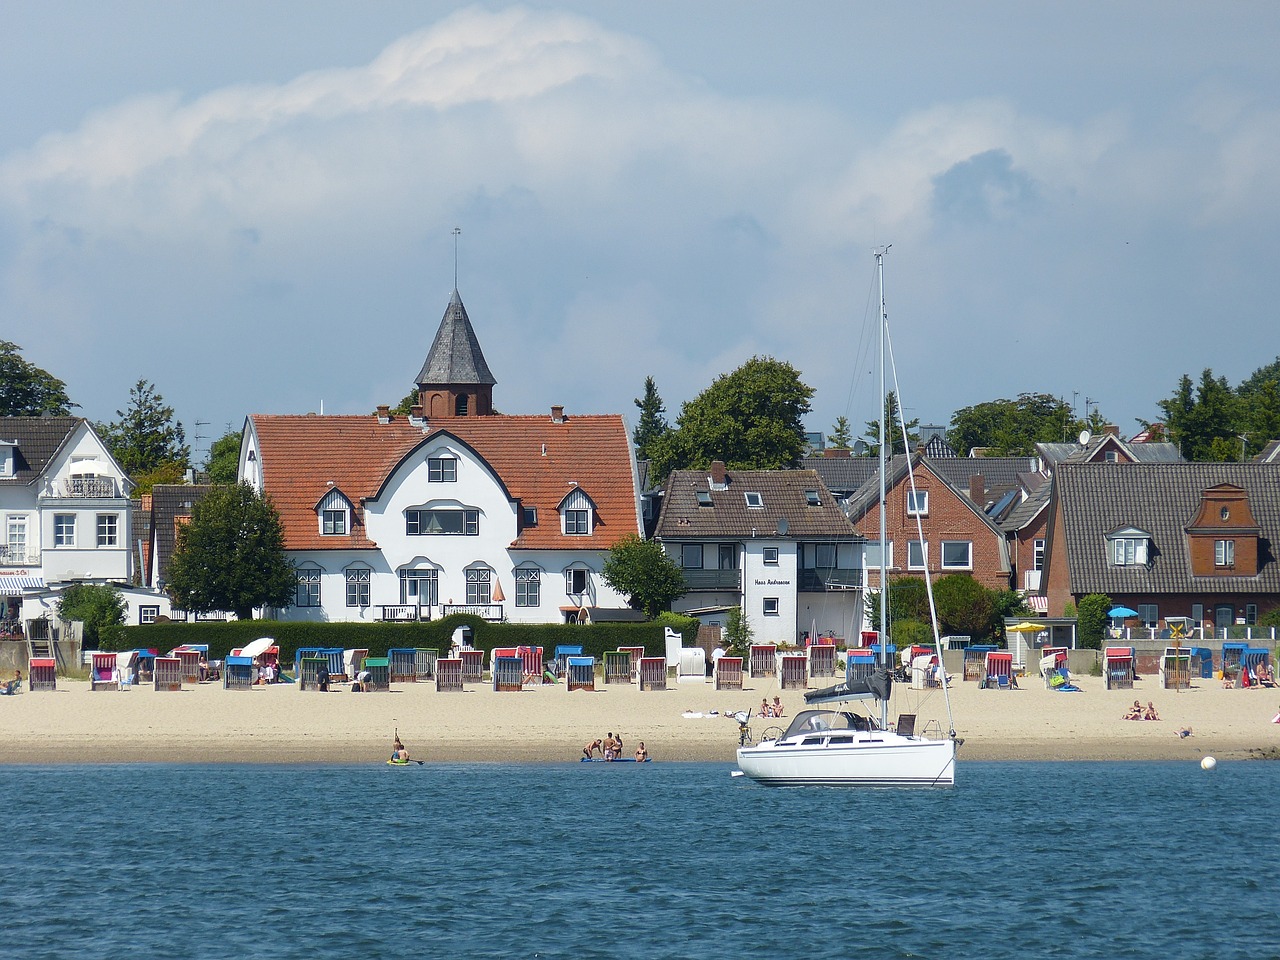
point(275, 724)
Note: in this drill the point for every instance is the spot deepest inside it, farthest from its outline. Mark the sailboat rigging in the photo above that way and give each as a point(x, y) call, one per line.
point(841, 747)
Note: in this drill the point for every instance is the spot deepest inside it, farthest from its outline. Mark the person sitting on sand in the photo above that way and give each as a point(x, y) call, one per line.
point(1228, 681)
point(589, 750)
point(1151, 712)
point(777, 707)
point(398, 752)
point(12, 686)
point(641, 753)
point(1135, 712)
point(1265, 676)
point(764, 708)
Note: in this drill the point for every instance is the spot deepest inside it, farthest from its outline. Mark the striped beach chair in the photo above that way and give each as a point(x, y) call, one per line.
point(617, 666)
point(379, 670)
point(508, 673)
point(42, 674)
point(167, 674)
point(309, 669)
point(728, 673)
point(102, 672)
point(424, 663)
point(792, 673)
point(637, 653)
point(580, 673)
point(237, 673)
point(1118, 668)
point(822, 659)
point(653, 673)
point(472, 665)
point(404, 664)
point(449, 675)
point(764, 660)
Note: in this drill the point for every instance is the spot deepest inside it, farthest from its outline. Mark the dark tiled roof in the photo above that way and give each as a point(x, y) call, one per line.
point(169, 501)
point(1027, 511)
point(868, 495)
point(842, 475)
point(1054, 453)
point(39, 440)
point(1162, 499)
point(783, 493)
point(455, 356)
point(999, 474)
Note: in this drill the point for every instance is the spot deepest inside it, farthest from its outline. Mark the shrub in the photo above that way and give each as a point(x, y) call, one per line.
point(1091, 621)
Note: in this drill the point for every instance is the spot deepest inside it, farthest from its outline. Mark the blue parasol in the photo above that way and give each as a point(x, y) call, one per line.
point(1121, 612)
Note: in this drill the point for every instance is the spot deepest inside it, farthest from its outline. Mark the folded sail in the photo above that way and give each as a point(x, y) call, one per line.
point(875, 687)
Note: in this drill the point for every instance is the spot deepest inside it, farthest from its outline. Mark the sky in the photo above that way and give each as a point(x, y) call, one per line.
point(252, 205)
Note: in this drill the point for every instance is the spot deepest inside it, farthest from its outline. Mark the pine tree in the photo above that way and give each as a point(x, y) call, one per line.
point(653, 424)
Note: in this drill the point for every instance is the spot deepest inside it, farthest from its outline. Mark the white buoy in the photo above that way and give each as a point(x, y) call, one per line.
point(1208, 763)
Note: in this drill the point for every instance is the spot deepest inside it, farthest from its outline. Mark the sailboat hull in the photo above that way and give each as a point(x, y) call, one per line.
point(884, 760)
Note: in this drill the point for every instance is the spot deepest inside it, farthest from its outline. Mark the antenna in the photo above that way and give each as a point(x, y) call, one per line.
point(456, 232)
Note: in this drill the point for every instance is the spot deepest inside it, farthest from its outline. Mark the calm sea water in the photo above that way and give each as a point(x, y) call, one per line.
point(666, 860)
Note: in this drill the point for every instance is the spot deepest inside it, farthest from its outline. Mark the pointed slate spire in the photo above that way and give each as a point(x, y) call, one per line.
point(455, 379)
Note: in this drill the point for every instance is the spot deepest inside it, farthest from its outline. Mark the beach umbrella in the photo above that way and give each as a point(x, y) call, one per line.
point(1121, 612)
point(256, 648)
point(1026, 626)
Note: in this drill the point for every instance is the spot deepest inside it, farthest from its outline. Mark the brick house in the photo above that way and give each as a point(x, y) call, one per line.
point(1166, 539)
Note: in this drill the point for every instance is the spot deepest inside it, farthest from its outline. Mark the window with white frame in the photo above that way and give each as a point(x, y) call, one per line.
point(479, 585)
point(577, 523)
point(871, 554)
point(309, 586)
point(1129, 551)
point(148, 613)
point(108, 530)
point(333, 523)
point(770, 606)
point(1224, 553)
point(577, 581)
point(957, 555)
point(770, 555)
point(420, 586)
point(754, 500)
point(917, 503)
point(1038, 561)
point(691, 556)
point(442, 469)
point(530, 516)
point(16, 540)
point(528, 587)
point(64, 529)
point(917, 553)
point(357, 586)
point(1149, 614)
point(442, 522)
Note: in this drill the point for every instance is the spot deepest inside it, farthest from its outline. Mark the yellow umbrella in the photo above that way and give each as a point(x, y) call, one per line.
point(1026, 626)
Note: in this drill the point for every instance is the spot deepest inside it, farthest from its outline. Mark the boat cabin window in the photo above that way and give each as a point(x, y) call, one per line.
point(819, 721)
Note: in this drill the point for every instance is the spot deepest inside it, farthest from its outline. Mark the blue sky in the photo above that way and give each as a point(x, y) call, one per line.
point(251, 204)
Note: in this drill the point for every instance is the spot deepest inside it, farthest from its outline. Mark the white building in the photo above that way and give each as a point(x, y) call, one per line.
point(64, 506)
point(453, 508)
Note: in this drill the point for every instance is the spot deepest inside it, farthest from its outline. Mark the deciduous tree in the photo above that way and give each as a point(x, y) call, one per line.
point(223, 464)
point(94, 605)
point(642, 572)
point(231, 556)
point(1012, 428)
point(26, 390)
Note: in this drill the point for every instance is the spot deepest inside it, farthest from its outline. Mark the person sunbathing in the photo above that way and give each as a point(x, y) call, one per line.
point(1135, 712)
point(1266, 677)
point(1151, 712)
point(777, 707)
point(764, 708)
point(1228, 681)
point(12, 686)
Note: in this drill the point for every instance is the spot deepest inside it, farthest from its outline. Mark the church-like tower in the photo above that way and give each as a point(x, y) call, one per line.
point(455, 380)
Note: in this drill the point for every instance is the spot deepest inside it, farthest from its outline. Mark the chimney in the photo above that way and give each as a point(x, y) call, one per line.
point(1111, 430)
point(832, 453)
point(719, 476)
point(557, 414)
point(384, 413)
point(978, 490)
point(415, 415)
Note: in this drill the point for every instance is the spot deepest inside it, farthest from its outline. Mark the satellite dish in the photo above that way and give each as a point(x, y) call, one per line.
point(783, 526)
point(1085, 437)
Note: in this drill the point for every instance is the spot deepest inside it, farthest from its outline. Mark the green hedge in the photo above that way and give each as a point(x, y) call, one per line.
point(378, 638)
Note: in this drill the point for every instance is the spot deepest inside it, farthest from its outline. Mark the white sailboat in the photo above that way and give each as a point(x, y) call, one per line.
point(837, 745)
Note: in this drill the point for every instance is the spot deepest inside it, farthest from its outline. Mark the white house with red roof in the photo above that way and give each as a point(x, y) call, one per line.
point(412, 517)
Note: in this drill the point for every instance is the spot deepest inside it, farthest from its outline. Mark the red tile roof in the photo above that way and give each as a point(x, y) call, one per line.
point(536, 458)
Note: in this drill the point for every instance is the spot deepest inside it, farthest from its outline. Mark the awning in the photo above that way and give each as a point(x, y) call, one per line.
point(14, 585)
point(1039, 604)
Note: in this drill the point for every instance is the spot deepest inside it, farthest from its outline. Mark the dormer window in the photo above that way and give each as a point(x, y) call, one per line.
point(754, 500)
point(530, 516)
point(334, 511)
point(577, 514)
point(1224, 553)
point(1129, 547)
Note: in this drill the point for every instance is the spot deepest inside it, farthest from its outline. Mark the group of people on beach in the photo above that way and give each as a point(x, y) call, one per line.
point(768, 709)
point(1136, 712)
point(610, 748)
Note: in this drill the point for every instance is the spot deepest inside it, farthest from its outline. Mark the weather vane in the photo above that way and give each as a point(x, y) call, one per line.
point(456, 232)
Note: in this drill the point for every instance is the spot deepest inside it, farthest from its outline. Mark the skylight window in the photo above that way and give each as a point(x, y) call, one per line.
point(754, 500)
point(812, 498)
point(704, 498)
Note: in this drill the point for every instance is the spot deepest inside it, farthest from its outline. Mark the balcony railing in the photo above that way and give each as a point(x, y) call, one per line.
point(19, 557)
point(403, 613)
point(713, 579)
point(486, 611)
point(98, 488)
point(831, 578)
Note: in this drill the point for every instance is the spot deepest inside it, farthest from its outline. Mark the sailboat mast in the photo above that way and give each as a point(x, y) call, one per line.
point(884, 527)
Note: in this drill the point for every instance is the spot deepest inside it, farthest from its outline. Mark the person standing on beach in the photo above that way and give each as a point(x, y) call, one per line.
point(591, 748)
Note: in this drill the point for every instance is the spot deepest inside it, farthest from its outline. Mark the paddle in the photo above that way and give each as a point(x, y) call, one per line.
point(410, 760)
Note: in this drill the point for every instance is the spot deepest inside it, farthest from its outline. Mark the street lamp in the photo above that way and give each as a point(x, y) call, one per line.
point(1243, 442)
